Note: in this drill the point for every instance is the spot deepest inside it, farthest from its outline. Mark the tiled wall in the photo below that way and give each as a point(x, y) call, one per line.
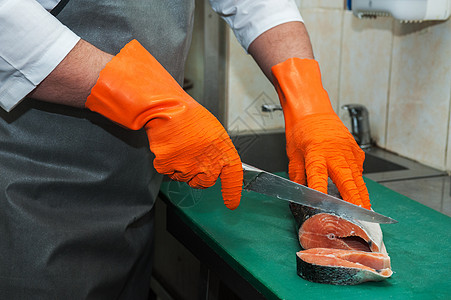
point(400, 71)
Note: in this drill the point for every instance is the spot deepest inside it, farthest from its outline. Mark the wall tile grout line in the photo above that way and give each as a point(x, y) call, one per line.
point(390, 70)
point(447, 140)
point(340, 61)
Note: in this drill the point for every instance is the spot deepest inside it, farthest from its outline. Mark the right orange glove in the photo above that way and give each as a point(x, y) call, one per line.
point(189, 143)
point(318, 144)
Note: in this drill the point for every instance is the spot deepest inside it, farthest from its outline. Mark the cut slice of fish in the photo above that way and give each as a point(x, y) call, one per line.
point(330, 231)
point(342, 267)
point(324, 230)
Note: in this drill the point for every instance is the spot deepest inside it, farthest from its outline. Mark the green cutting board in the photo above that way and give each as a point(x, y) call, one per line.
point(259, 240)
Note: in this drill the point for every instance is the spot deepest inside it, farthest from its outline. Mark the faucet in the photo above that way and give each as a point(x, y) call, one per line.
point(360, 124)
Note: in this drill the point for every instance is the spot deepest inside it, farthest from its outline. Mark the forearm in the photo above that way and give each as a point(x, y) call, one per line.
point(280, 43)
point(71, 81)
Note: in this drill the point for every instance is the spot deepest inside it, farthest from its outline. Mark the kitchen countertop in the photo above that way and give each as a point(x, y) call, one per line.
point(258, 242)
point(434, 192)
point(421, 183)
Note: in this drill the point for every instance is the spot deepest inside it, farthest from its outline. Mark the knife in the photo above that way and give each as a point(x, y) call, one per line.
point(270, 184)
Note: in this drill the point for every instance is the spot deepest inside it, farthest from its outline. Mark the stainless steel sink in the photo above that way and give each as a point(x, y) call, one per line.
point(263, 150)
point(375, 164)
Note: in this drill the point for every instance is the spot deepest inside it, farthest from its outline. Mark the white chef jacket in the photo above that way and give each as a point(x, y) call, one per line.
point(33, 42)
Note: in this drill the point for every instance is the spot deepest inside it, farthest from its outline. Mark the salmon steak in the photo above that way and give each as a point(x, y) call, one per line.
point(342, 267)
point(338, 250)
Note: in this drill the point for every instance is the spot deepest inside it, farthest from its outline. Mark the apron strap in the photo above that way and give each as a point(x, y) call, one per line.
point(59, 7)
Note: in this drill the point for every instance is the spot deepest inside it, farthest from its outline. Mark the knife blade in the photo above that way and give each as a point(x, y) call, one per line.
point(281, 188)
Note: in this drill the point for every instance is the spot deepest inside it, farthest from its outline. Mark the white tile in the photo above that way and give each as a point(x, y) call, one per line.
point(420, 92)
point(324, 28)
point(365, 69)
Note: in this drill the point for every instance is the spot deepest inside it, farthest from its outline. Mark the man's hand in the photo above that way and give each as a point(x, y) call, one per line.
point(189, 143)
point(318, 144)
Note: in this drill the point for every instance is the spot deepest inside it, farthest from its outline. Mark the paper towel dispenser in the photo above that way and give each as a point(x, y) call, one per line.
point(403, 10)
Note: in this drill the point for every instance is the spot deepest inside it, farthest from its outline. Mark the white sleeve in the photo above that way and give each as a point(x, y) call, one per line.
point(250, 18)
point(32, 44)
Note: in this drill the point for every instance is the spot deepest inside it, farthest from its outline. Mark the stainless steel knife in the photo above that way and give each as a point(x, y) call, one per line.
point(272, 185)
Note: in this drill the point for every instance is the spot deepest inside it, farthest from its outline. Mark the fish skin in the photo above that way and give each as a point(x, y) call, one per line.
point(326, 274)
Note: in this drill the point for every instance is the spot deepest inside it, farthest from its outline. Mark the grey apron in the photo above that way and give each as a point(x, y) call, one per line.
point(77, 191)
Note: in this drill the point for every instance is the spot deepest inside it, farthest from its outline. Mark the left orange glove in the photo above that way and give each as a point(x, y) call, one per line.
point(189, 143)
point(318, 143)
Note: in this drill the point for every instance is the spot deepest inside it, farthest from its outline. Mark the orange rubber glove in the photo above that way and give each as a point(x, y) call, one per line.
point(189, 143)
point(318, 144)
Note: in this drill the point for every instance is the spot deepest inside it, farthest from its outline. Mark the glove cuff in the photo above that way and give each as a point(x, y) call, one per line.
point(135, 88)
point(298, 84)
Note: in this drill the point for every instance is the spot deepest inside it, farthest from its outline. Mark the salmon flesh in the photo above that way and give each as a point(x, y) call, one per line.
point(338, 250)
